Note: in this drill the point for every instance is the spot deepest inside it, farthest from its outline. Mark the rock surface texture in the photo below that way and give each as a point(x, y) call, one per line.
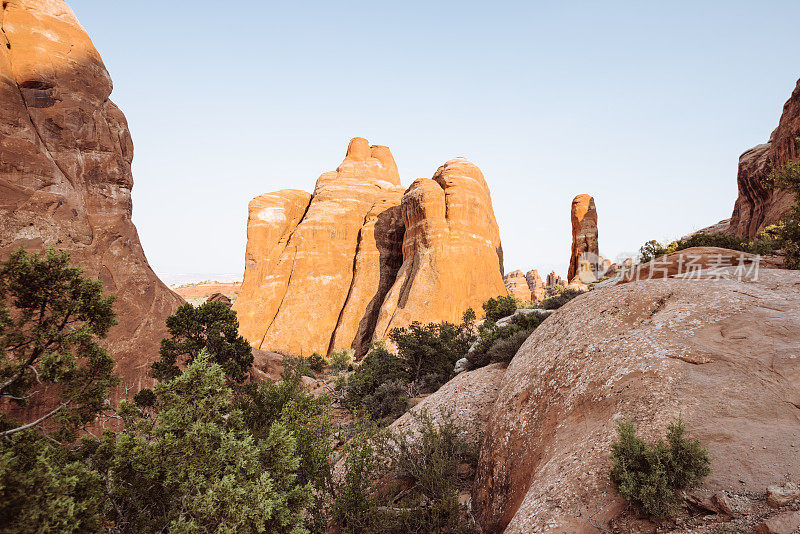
point(318, 266)
point(517, 285)
point(722, 354)
point(65, 172)
point(756, 206)
point(584, 234)
point(343, 266)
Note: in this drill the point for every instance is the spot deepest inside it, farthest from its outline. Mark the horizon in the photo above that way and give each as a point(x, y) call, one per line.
point(549, 101)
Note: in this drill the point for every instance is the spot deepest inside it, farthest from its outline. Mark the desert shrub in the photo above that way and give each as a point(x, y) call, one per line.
point(306, 418)
point(431, 459)
point(341, 359)
point(499, 307)
point(212, 326)
point(195, 467)
point(648, 476)
point(651, 250)
point(354, 508)
point(298, 366)
point(788, 231)
point(378, 367)
point(316, 362)
point(388, 402)
point(46, 488)
point(503, 350)
point(430, 349)
point(556, 301)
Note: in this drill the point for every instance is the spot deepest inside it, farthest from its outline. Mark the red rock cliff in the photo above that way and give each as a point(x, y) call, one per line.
point(65, 171)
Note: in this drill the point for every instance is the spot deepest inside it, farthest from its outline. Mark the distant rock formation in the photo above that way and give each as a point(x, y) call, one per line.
point(535, 284)
point(584, 235)
point(757, 206)
point(359, 257)
point(219, 297)
point(554, 280)
point(722, 355)
point(65, 172)
point(517, 285)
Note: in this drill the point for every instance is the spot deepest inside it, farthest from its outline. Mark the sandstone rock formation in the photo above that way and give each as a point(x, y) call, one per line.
point(553, 280)
point(452, 257)
point(756, 206)
point(318, 266)
point(719, 353)
point(517, 285)
point(584, 234)
point(536, 285)
point(340, 267)
point(65, 172)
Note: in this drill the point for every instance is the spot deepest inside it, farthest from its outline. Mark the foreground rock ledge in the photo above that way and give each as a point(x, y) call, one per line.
point(722, 354)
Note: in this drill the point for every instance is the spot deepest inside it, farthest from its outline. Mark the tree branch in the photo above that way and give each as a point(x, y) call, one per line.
point(35, 423)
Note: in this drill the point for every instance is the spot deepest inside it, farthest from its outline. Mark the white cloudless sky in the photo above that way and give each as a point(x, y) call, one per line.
point(645, 106)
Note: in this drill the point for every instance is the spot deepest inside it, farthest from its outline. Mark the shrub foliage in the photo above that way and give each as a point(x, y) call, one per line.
point(648, 476)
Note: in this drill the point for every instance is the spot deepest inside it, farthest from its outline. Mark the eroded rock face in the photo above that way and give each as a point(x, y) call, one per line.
point(758, 207)
point(452, 257)
point(344, 266)
point(722, 354)
point(584, 234)
point(65, 172)
point(517, 285)
point(318, 266)
point(536, 285)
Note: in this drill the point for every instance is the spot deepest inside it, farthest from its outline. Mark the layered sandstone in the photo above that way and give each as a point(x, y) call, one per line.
point(517, 285)
point(536, 285)
point(317, 266)
point(719, 353)
point(584, 235)
point(452, 257)
point(65, 172)
point(345, 265)
point(757, 206)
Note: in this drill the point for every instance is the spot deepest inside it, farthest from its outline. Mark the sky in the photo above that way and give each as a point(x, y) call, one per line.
point(645, 106)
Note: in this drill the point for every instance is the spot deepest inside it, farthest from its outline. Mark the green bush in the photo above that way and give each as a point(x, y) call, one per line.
point(316, 362)
point(430, 349)
point(388, 402)
point(766, 242)
point(499, 307)
point(378, 367)
point(503, 350)
point(341, 359)
point(788, 231)
point(648, 476)
point(556, 301)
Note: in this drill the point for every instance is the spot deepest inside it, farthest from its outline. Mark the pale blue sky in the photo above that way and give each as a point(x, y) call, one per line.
point(646, 107)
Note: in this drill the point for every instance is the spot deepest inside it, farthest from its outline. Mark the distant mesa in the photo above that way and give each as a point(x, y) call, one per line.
point(343, 266)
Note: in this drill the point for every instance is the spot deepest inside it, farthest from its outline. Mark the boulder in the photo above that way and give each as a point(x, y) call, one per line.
point(517, 285)
point(782, 523)
point(65, 174)
point(584, 235)
point(782, 495)
point(219, 297)
point(452, 257)
point(721, 354)
point(468, 397)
